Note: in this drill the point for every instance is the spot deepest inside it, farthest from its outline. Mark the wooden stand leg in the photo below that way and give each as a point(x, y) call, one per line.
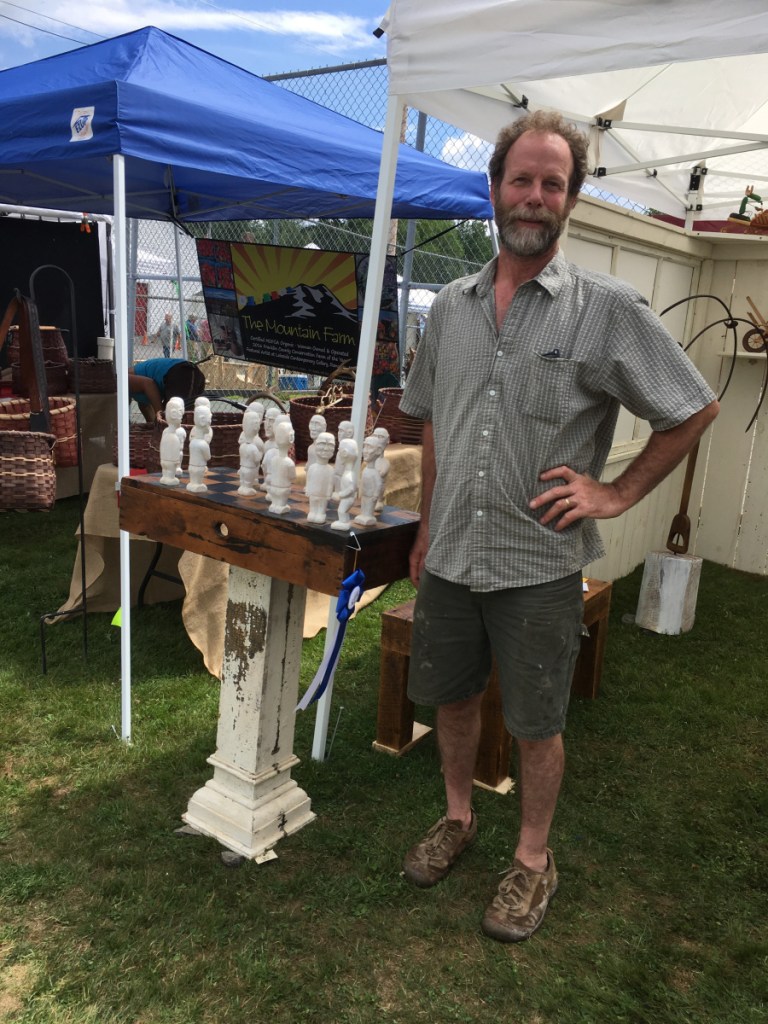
point(492, 765)
point(251, 802)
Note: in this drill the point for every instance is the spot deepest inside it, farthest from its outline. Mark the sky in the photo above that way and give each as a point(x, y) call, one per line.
point(261, 36)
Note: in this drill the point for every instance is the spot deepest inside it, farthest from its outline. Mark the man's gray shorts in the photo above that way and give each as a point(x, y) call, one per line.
point(534, 634)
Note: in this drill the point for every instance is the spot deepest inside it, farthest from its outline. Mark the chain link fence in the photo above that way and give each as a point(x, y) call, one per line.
point(429, 253)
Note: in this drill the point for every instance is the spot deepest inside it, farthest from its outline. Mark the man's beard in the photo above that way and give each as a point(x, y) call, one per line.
point(525, 241)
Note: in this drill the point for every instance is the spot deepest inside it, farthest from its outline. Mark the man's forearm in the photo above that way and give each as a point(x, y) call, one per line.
point(665, 450)
point(428, 472)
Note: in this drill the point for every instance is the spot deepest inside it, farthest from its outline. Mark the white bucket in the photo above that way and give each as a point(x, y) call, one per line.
point(106, 348)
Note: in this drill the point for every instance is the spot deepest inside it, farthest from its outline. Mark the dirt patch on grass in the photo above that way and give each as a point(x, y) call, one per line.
point(15, 982)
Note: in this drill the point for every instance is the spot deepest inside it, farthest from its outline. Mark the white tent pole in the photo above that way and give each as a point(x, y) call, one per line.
point(121, 362)
point(379, 240)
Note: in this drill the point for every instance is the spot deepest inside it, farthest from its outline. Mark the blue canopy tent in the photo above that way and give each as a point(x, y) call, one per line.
point(145, 125)
point(202, 140)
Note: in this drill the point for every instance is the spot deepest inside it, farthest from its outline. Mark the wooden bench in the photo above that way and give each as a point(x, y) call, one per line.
point(396, 729)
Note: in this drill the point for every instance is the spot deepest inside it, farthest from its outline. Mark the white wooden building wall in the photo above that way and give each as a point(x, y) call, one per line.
point(665, 265)
point(732, 480)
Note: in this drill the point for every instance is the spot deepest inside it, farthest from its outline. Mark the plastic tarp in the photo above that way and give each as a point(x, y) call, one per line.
point(691, 78)
point(202, 140)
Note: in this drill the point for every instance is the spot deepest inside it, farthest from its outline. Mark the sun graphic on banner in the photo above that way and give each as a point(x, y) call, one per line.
point(262, 271)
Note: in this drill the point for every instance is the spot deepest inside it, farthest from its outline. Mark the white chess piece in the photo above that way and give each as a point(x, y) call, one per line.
point(345, 431)
point(174, 414)
point(346, 461)
point(269, 440)
point(317, 426)
point(257, 409)
point(250, 452)
point(170, 443)
point(320, 478)
point(382, 463)
point(199, 449)
point(370, 483)
point(282, 468)
point(271, 452)
point(207, 432)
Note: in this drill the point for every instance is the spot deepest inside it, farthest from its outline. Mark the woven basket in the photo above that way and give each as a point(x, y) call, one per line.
point(27, 473)
point(144, 445)
point(14, 415)
point(141, 453)
point(402, 429)
point(55, 358)
point(54, 347)
point(56, 378)
point(97, 376)
point(305, 407)
point(225, 443)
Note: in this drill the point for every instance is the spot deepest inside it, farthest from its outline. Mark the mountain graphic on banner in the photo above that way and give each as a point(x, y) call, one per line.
point(303, 302)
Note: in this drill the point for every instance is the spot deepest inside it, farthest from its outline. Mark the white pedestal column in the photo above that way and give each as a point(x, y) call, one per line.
point(251, 802)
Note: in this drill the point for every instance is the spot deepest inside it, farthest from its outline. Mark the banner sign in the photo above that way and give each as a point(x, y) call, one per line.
point(298, 309)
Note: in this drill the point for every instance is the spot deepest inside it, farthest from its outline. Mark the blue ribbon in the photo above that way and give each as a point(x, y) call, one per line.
point(351, 591)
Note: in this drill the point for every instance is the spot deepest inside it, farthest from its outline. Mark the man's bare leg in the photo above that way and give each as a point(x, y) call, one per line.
point(458, 736)
point(541, 764)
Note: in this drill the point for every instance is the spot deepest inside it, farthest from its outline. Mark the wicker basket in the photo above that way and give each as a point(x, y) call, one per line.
point(55, 358)
point(14, 416)
point(141, 453)
point(144, 445)
point(97, 376)
point(56, 379)
point(305, 407)
point(225, 443)
point(402, 429)
point(27, 473)
point(54, 347)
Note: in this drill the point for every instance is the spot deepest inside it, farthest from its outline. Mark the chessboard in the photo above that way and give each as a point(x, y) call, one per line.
point(240, 530)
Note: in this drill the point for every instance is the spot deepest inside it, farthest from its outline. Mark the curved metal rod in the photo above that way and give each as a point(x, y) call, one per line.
point(730, 322)
point(762, 397)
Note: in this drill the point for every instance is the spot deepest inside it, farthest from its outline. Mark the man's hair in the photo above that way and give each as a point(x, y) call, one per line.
point(545, 122)
point(184, 380)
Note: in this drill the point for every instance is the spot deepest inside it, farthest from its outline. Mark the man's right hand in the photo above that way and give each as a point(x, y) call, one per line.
point(418, 554)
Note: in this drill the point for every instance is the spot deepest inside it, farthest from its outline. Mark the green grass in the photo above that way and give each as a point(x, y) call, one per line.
point(107, 916)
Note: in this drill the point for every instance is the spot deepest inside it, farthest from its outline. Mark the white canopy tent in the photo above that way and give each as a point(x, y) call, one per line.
point(663, 87)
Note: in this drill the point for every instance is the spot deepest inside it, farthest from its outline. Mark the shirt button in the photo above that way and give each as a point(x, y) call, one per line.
point(499, 353)
point(492, 393)
point(479, 513)
point(481, 472)
point(485, 433)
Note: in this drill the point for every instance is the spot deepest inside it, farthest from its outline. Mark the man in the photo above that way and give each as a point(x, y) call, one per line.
point(168, 334)
point(192, 334)
point(519, 379)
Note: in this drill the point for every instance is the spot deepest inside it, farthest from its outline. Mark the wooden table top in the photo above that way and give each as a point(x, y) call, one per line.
point(241, 531)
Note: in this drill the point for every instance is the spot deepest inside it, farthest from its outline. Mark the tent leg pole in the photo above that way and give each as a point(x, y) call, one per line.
point(123, 409)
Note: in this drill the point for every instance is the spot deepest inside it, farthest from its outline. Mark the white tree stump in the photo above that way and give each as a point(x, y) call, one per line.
point(667, 602)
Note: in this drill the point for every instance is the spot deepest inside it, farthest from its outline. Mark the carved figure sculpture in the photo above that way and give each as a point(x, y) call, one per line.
point(382, 463)
point(250, 452)
point(346, 461)
point(282, 468)
point(345, 431)
point(199, 449)
point(171, 445)
point(370, 482)
point(317, 426)
point(320, 478)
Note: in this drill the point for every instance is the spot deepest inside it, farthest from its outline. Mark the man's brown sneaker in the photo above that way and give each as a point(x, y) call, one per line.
point(519, 906)
point(429, 861)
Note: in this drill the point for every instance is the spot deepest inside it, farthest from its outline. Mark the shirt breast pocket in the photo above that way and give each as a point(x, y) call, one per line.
point(548, 387)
